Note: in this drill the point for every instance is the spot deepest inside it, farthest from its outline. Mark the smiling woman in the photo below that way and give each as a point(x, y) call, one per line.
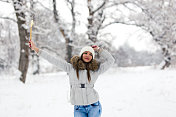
point(87, 56)
point(83, 72)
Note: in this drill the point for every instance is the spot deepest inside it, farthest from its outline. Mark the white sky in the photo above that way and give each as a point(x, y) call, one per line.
point(132, 35)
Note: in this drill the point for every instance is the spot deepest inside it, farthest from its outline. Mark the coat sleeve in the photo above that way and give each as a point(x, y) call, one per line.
point(109, 61)
point(59, 62)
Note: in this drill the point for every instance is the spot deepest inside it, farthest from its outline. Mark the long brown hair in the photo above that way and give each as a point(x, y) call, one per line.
point(88, 71)
point(79, 64)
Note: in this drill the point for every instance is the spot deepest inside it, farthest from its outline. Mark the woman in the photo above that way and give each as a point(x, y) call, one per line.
point(83, 72)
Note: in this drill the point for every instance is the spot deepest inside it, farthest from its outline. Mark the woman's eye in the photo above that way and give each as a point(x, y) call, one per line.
point(91, 55)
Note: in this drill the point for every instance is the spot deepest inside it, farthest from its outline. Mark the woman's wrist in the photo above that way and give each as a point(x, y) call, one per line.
point(36, 49)
point(99, 49)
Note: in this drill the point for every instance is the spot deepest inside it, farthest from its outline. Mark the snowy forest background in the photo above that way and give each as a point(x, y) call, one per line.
point(63, 27)
point(140, 34)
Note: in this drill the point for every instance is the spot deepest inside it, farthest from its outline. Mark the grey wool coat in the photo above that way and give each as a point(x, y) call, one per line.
point(78, 95)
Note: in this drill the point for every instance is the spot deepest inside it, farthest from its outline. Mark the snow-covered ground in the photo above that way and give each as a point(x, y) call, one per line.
point(129, 92)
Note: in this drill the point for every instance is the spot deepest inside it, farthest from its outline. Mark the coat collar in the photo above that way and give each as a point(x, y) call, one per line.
point(77, 62)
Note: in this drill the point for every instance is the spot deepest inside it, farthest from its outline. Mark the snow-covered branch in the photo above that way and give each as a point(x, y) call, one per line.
point(123, 22)
point(8, 18)
point(37, 2)
point(110, 5)
point(100, 7)
point(7, 1)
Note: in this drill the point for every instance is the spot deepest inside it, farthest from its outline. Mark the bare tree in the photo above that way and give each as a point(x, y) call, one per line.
point(63, 30)
point(158, 18)
point(35, 57)
point(55, 11)
point(23, 35)
point(155, 17)
point(95, 19)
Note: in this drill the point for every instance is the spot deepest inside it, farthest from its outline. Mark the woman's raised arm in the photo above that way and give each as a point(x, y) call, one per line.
point(109, 61)
point(58, 61)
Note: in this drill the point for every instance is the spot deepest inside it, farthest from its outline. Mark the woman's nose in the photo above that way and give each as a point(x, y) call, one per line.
point(87, 55)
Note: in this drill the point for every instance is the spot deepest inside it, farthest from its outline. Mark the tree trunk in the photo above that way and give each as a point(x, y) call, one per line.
point(68, 39)
point(55, 11)
point(95, 21)
point(35, 57)
point(36, 64)
point(23, 35)
point(69, 50)
point(90, 19)
point(68, 46)
point(167, 58)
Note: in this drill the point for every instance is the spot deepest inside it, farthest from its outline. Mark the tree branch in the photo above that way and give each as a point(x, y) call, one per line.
point(7, 1)
point(125, 23)
point(8, 18)
point(101, 6)
point(43, 5)
point(116, 4)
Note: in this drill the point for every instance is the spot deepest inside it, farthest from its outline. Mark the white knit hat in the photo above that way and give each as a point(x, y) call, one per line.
point(87, 48)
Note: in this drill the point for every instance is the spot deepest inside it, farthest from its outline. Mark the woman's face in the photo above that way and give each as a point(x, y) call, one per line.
point(87, 56)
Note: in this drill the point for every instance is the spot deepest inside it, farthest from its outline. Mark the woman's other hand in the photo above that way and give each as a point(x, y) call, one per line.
point(33, 46)
point(95, 47)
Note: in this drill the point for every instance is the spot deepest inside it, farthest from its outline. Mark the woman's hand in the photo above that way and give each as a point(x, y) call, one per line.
point(96, 48)
point(33, 46)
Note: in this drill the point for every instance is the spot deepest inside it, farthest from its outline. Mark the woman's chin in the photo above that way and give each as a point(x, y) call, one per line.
point(86, 61)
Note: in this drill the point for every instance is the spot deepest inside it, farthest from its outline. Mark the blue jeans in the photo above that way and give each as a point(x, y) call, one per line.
point(92, 110)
